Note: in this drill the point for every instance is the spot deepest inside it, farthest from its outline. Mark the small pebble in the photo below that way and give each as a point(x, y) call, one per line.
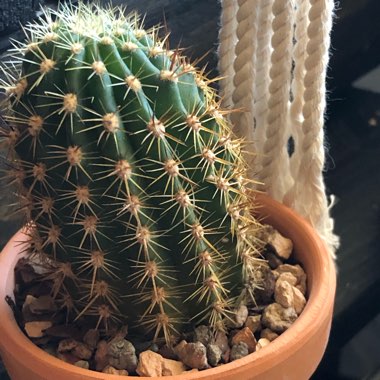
point(221, 341)
point(178, 349)
point(288, 277)
point(214, 354)
point(226, 355)
point(278, 318)
point(82, 364)
point(238, 351)
point(241, 315)
point(28, 300)
point(295, 270)
point(36, 329)
point(268, 334)
point(282, 246)
point(101, 355)
point(113, 371)
point(253, 322)
point(172, 367)
point(302, 286)
point(283, 293)
point(122, 355)
point(194, 355)
point(202, 334)
point(91, 338)
point(246, 336)
point(42, 305)
point(82, 351)
point(263, 295)
point(167, 352)
point(299, 300)
point(273, 260)
point(150, 364)
point(67, 357)
point(262, 343)
point(67, 345)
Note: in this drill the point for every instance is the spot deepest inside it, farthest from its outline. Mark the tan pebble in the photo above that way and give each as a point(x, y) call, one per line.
point(82, 351)
point(226, 355)
point(245, 335)
point(150, 364)
point(295, 270)
point(36, 329)
point(278, 318)
point(283, 293)
point(301, 286)
point(178, 349)
point(28, 300)
point(221, 341)
point(67, 357)
point(91, 338)
point(82, 364)
point(241, 315)
point(172, 367)
point(299, 300)
point(101, 355)
point(288, 277)
point(194, 355)
point(281, 245)
point(67, 345)
point(262, 343)
point(113, 371)
point(253, 322)
point(42, 305)
point(268, 334)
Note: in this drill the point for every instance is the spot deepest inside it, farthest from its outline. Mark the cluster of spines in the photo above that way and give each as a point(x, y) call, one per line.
point(121, 139)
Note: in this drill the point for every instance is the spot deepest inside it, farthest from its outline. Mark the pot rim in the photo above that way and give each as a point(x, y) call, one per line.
point(307, 324)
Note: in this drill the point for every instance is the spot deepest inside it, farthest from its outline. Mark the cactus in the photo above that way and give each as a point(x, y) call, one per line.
point(129, 172)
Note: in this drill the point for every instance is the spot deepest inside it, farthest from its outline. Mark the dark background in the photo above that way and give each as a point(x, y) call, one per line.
point(352, 168)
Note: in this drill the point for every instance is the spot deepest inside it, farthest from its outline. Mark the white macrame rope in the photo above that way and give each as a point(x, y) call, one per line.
point(227, 42)
point(297, 87)
point(275, 158)
point(277, 76)
point(261, 85)
point(310, 198)
point(244, 67)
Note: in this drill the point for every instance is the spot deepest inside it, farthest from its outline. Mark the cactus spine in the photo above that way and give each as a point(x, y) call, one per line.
point(130, 173)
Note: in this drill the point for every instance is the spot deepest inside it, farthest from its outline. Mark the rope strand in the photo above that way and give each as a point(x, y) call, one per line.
point(310, 188)
point(226, 51)
point(274, 154)
point(298, 89)
point(244, 78)
point(261, 85)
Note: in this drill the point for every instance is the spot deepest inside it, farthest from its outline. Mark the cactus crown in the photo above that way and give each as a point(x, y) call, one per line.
point(129, 171)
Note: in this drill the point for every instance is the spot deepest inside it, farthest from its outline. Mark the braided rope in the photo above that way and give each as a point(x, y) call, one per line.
point(310, 188)
point(275, 158)
point(226, 51)
point(261, 85)
point(244, 77)
point(261, 82)
point(298, 89)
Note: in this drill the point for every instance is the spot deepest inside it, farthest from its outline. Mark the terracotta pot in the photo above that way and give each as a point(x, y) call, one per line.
point(294, 355)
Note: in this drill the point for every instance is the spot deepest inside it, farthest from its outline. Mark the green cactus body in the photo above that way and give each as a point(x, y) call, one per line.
point(130, 173)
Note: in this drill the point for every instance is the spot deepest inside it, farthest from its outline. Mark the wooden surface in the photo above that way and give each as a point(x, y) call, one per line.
point(353, 174)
